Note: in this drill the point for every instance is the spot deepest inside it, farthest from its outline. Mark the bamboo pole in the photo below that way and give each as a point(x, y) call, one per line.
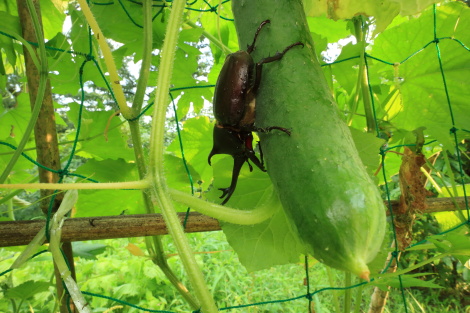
point(17, 233)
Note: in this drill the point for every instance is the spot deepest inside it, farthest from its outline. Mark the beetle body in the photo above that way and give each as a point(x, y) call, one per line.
point(234, 98)
point(234, 110)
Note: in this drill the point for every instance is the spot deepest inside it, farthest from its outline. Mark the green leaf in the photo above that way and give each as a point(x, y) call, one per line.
point(192, 98)
point(64, 74)
point(109, 202)
point(27, 290)
point(185, 66)
point(127, 290)
point(368, 146)
point(179, 177)
point(196, 135)
point(15, 120)
point(21, 172)
point(419, 79)
point(190, 35)
point(266, 244)
point(9, 24)
point(54, 18)
point(262, 245)
point(58, 42)
point(93, 126)
point(455, 242)
point(88, 251)
point(108, 170)
point(406, 282)
point(332, 30)
point(79, 33)
point(127, 31)
point(382, 11)
point(345, 72)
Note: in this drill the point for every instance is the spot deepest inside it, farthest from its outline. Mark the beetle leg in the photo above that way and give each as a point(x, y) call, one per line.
point(250, 153)
point(252, 46)
point(237, 165)
point(276, 57)
point(268, 129)
point(252, 156)
point(249, 165)
point(260, 153)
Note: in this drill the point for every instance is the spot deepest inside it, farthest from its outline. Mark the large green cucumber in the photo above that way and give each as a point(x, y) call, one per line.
point(322, 183)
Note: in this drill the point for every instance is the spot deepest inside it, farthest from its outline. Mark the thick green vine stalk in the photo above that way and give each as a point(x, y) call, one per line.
point(154, 244)
point(159, 188)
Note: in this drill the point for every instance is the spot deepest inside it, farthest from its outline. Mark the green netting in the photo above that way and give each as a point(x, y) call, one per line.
point(309, 294)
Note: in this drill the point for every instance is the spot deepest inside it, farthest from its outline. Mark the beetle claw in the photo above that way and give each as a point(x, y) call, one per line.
point(226, 192)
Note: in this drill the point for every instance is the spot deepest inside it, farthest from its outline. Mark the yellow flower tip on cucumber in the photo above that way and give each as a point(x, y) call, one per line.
point(365, 275)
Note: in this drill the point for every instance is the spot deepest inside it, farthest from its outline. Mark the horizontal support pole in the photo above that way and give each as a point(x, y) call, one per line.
point(17, 233)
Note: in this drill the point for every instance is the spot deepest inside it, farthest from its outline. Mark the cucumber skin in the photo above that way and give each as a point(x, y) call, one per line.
point(322, 183)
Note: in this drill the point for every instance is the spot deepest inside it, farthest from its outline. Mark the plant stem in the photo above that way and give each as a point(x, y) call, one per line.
point(11, 212)
point(146, 58)
point(347, 292)
point(332, 283)
point(159, 188)
point(67, 204)
point(362, 81)
point(139, 184)
point(43, 73)
point(262, 212)
point(358, 299)
point(108, 58)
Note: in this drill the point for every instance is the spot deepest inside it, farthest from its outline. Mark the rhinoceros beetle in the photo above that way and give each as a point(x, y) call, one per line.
point(234, 110)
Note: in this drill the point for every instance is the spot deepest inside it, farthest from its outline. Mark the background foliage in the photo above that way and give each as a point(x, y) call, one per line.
point(404, 76)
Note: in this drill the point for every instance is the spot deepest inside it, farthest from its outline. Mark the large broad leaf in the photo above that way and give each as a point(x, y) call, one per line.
point(424, 101)
point(108, 170)
point(100, 135)
point(383, 11)
point(267, 244)
point(129, 28)
point(405, 281)
point(21, 172)
point(455, 242)
point(88, 251)
point(179, 176)
point(368, 146)
point(53, 17)
point(196, 136)
point(15, 120)
point(109, 202)
point(11, 25)
point(262, 245)
point(27, 290)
